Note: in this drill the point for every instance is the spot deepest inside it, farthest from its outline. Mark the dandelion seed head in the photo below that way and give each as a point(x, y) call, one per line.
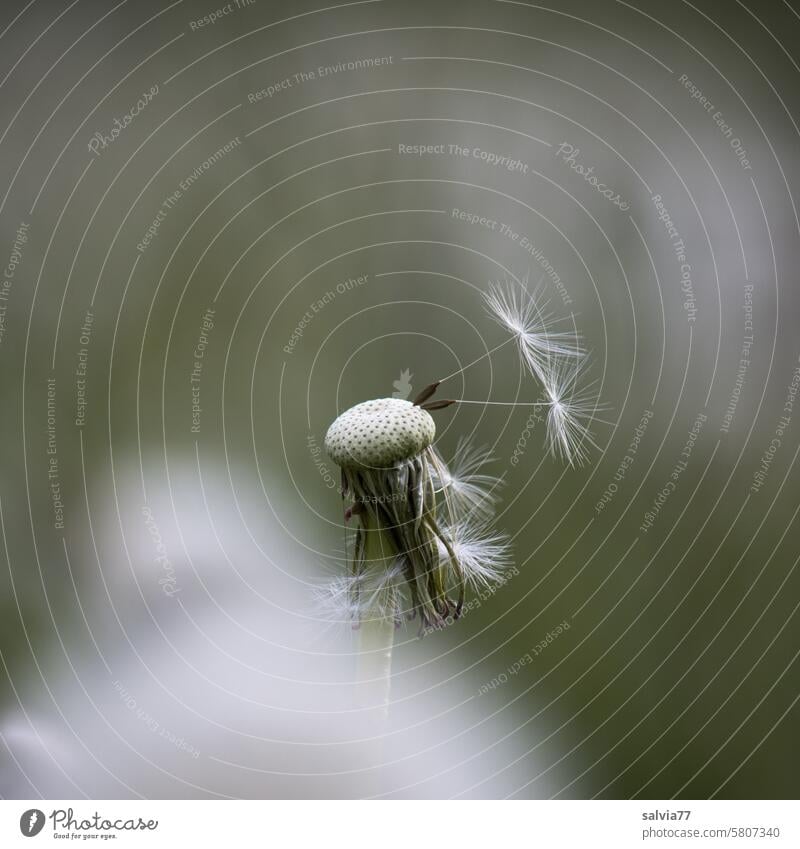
point(415, 546)
point(379, 433)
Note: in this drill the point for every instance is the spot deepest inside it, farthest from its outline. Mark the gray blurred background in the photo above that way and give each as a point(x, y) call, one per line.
point(158, 634)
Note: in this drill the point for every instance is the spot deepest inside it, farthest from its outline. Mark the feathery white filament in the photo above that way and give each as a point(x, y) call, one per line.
point(472, 492)
point(484, 554)
point(571, 409)
point(556, 359)
point(524, 315)
point(370, 594)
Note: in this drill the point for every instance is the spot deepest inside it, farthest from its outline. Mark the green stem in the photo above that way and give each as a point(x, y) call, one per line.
point(376, 634)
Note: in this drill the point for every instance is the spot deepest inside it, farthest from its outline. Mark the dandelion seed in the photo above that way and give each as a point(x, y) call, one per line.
point(350, 599)
point(473, 493)
point(483, 553)
point(557, 360)
point(409, 558)
point(525, 316)
point(333, 600)
point(569, 413)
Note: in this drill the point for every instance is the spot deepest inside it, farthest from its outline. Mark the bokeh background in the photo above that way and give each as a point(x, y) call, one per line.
point(158, 631)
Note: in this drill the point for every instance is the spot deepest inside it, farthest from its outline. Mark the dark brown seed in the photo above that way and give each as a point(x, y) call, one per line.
point(426, 393)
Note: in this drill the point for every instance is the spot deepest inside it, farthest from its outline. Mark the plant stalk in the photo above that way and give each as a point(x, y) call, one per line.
point(376, 634)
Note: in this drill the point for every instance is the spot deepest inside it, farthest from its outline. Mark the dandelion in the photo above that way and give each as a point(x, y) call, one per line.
point(424, 525)
point(417, 543)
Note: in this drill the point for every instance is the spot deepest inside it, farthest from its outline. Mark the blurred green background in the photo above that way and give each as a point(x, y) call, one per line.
point(164, 641)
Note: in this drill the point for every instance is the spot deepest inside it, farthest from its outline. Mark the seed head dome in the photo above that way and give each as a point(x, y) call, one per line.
point(379, 434)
